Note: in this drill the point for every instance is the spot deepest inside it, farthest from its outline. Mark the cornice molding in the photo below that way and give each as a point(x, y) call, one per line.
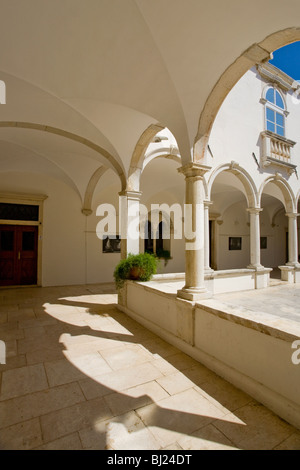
point(276, 76)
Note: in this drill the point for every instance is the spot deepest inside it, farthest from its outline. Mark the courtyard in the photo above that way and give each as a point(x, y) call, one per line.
point(80, 374)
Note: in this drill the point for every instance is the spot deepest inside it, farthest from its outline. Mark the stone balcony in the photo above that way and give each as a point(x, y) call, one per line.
point(277, 150)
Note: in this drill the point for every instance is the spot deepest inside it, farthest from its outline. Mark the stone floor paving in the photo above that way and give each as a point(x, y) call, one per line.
point(80, 374)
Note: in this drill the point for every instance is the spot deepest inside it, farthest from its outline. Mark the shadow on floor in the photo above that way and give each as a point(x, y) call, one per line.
point(81, 374)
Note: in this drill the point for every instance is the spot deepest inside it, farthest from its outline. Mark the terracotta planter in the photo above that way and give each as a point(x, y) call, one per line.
point(135, 273)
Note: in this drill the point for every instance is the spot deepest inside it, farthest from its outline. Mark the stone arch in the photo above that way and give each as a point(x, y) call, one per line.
point(248, 183)
point(288, 196)
point(137, 159)
point(279, 211)
point(161, 154)
point(76, 138)
point(297, 198)
point(89, 192)
point(257, 53)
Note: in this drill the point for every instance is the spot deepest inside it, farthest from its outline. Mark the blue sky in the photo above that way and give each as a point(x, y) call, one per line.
point(287, 59)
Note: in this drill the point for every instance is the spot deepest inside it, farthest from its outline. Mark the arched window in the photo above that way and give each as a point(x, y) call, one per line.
point(149, 248)
point(275, 112)
point(155, 242)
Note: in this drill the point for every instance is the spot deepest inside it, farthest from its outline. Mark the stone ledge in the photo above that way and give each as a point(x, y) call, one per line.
point(263, 322)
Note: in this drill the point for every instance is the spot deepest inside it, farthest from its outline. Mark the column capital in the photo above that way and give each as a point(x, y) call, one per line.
point(132, 195)
point(207, 203)
point(192, 169)
point(254, 210)
point(86, 211)
point(292, 215)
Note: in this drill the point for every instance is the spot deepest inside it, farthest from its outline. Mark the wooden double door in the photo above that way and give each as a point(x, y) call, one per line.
point(18, 255)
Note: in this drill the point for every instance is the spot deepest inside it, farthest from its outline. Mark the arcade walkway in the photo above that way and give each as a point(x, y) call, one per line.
point(82, 375)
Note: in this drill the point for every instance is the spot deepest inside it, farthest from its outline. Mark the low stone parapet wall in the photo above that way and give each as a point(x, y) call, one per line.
point(252, 350)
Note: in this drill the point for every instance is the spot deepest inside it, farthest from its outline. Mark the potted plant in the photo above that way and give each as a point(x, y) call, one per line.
point(163, 254)
point(135, 267)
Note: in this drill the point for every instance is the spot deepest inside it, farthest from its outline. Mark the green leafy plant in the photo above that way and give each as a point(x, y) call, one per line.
point(163, 254)
point(135, 267)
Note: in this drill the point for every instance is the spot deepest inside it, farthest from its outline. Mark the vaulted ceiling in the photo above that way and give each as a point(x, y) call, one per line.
point(85, 79)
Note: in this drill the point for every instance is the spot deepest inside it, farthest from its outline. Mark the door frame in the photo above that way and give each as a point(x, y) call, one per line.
point(28, 199)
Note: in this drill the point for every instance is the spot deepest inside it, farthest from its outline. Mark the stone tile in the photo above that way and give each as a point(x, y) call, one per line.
point(131, 356)
point(13, 363)
point(69, 420)
point(254, 427)
point(71, 442)
point(23, 436)
point(28, 345)
point(93, 389)
point(175, 383)
point(44, 355)
point(17, 382)
point(3, 317)
point(174, 446)
point(34, 332)
point(126, 432)
point(200, 374)
point(163, 365)
point(89, 343)
point(123, 379)
point(159, 348)
point(94, 437)
point(207, 438)
point(11, 348)
point(90, 364)
point(11, 331)
point(20, 314)
point(182, 361)
point(224, 395)
point(291, 443)
point(135, 398)
point(178, 415)
point(96, 407)
point(32, 323)
point(37, 404)
point(62, 372)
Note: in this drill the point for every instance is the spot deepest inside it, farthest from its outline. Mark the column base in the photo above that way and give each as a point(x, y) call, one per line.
point(290, 273)
point(257, 267)
point(208, 270)
point(194, 294)
point(287, 273)
point(295, 265)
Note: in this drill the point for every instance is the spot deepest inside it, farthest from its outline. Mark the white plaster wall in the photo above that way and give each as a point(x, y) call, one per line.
point(235, 224)
point(71, 251)
point(236, 131)
point(100, 266)
point(63, 255)
point(275, 253)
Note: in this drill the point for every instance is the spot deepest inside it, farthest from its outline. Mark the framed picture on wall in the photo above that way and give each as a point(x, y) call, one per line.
point(235, 243)
point(111, 244)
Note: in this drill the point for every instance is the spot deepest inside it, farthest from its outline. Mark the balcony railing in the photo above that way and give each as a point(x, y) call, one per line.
point(277, 150)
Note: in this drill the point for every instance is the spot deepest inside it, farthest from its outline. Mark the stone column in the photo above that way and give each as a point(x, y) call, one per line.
point(129, 207)
point(293, 239)
point(194, 288)
point(255, 238)
point(207, 266)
